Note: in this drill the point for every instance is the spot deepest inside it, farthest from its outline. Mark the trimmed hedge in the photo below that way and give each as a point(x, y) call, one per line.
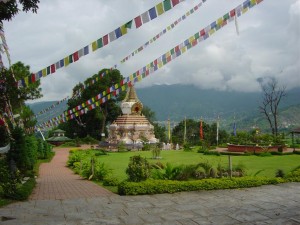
point(171, 186)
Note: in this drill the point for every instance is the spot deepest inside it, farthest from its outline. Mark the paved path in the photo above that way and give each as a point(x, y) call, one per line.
point(64, 198)
point(273, 204)
point(56, 181)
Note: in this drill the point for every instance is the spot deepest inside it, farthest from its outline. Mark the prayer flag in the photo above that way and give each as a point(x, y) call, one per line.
point(201, 130)
point(118, 32)
point(94, 46)
point(105, 39)
point(160, 9)
point(99, 43)
point(62, 63)
point(48, 70)
point(128, 24)
point(152, 13)
point(86, 50)
point(52, 68)
point(138, 21)
point(112, 36)
point(123, 29)
point(145, 17)
point(175, 2)
point(75, 56)
point(167, 5)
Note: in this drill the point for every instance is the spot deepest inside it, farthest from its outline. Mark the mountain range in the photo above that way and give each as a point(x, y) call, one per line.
point(179, 101)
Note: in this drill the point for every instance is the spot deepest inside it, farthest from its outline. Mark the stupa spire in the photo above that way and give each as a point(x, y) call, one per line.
point(131, 95)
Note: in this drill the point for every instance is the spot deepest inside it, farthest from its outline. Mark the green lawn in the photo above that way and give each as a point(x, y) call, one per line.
point(119, 161)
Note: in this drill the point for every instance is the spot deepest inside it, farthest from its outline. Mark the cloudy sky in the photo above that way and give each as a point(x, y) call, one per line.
point(268, 43)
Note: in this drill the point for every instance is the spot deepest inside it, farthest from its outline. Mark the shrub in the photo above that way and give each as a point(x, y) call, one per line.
point(279, 173)
point(206, 152)
point(100, 170)
point(156, 153)
point(138, 169)
point(168, 186)
point(110, 181)
point(264, 154)
point(122, 147)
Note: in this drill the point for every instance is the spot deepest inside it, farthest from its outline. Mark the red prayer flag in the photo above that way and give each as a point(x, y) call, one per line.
point(177, 48)
point(201, 131)
point(232, 13)
point(202, 32)
point(105, 39)
point(52, 68)
point(32, 77)
point(175, 2)
point(75, 56)
point(138, 21)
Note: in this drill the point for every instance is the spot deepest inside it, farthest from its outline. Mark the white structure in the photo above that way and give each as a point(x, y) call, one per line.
point(132, 127)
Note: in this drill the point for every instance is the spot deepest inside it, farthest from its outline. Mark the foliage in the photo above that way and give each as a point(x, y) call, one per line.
point(279, 173)
point(122, 147)
point(110, 181)
point(160, 132)
point(23, 150)
point(8, 180)
point(10, 8)
point(193, 131)
point(156, 153)
point(168, 186)
point(138, 169)
point(94, 122)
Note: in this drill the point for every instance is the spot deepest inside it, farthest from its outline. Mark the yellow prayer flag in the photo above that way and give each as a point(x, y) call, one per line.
point(168, 28)
point(108, 96)
point(183, 50)
point(26, 80)
point(244, 10)
point(160, 64)
point(66, 61)
point(139, 78)
point(116, 86)
point(94, 46)
point(220, 21)
point(97, 103)
point(168, 54)
point(76, 113)
point(148, 66)
point(160, 8)
point(191, 39)
point(131, 77)
point(211, 31)
point(123, 88)
point(44, 72)
point(93, 99)
point(123, 29)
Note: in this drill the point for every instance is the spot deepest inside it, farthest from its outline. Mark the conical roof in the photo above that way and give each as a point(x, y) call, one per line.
point(131, 95)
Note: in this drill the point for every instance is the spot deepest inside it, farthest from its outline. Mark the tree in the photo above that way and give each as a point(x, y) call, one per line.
point(272, 95)
point(95, 121)
point(9, 8)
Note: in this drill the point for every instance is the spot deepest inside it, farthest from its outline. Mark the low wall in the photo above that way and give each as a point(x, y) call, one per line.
point(250, 148)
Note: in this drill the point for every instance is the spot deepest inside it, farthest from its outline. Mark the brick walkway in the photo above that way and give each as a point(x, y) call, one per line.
point(56, 181)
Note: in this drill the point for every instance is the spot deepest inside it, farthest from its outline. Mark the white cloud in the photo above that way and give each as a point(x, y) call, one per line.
point(268, 43)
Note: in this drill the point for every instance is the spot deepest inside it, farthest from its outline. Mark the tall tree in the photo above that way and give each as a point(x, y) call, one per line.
point(10, 8)
point(272, 95)
point(94, 122)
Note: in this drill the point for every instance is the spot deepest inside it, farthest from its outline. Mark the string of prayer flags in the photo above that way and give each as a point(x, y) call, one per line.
point(51, 107)
point(139, 20)
point(164, 31)
point(153, 66)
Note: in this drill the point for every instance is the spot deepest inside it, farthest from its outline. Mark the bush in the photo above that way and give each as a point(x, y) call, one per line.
point(264, 154)
point(206, 152)
point(279, 173)
point(111, 181)
point(167, 186)
point(138, 169)
point(156, 153)
point(100, 171)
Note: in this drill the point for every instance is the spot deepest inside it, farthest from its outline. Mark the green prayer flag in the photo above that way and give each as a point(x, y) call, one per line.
point(128, 24)
point(167, 5)
point(172, 51)
point(100, 43)
point(197, 35)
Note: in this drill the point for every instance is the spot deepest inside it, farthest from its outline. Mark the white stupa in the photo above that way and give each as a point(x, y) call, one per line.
point(131, 127)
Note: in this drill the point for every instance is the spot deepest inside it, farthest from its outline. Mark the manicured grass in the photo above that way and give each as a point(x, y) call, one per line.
point(119, 161)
